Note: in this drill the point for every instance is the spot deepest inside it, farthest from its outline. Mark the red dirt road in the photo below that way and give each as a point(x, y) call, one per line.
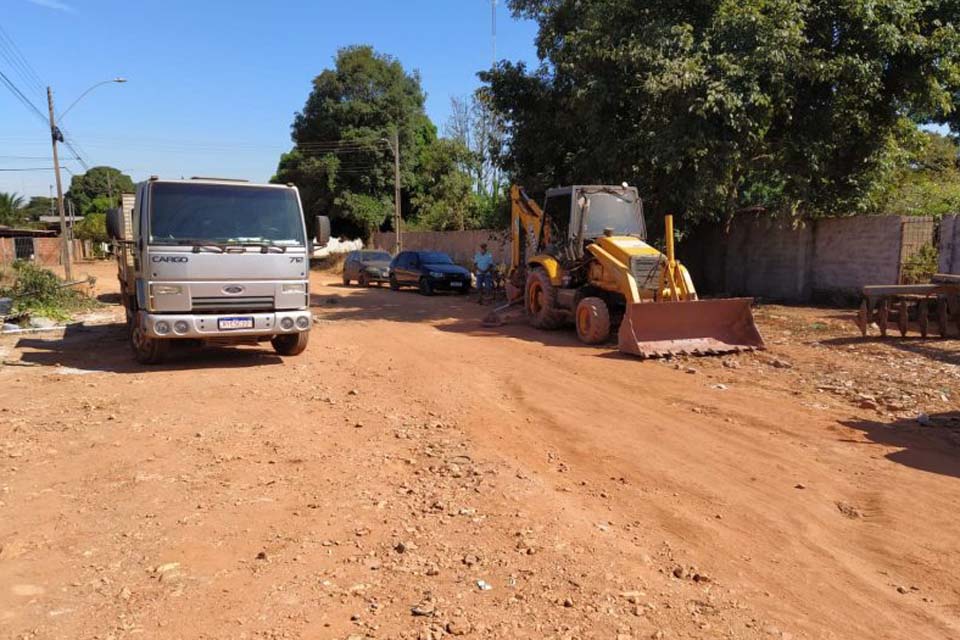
point(378, 484)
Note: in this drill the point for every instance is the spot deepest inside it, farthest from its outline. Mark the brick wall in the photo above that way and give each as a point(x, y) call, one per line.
point(46, 251)
point(459, 245)
point(802, 260)
point(950, 245)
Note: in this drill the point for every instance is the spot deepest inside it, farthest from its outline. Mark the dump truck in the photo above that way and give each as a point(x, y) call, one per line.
point(213, 261)
point(583, 259)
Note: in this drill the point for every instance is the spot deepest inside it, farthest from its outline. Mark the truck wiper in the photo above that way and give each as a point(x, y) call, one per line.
point(265, 245)
point(200, 245)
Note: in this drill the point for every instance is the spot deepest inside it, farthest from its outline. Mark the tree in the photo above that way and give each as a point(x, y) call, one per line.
point(39, 206)
point(447, 201)
point(928, 183)
point(714, 106)
point(340, 161)
point(11, 209)
point(98, 182)
point(92, 227)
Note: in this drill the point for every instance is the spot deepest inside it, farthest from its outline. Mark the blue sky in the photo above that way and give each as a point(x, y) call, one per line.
point(213, 84)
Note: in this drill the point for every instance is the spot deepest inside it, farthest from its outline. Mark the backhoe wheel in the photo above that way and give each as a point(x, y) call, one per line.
point(593, 321)
point(541, 301)
point(291, 344)
point(147, 350)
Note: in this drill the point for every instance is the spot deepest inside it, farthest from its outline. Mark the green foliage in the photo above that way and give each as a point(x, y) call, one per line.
point(11, 209)
point(98, 182)
point(928, 183)
point(340, 161)
point(39, 206)
point(447, 200)
point(92, 227)
point(39, 291)
point(715, 106)
point(921, 266)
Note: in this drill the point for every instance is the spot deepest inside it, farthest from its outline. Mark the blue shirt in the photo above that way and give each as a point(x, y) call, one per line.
point(483, 261)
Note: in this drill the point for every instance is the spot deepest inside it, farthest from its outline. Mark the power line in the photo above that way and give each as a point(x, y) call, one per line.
point(11, 52)
point(32, 169)
point(22, 98)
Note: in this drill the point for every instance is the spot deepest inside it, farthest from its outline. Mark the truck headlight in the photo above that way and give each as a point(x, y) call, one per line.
point(165, 289)
point(303, 323)
point(286, 323)
point(181, 326)
point(294, 287)
point(162, 328)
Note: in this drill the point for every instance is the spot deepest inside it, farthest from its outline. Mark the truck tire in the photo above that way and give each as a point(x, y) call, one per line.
point(291, 344)
point(147, 350)
point(593, 321)
point(540, 301)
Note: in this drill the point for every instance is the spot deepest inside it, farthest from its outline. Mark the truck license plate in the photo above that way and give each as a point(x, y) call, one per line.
point(226, 324)
point(456, 284)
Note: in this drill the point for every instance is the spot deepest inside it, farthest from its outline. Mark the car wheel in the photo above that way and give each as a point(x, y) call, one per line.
point(346, 280)
point(291, 344)
point(425, 288)
point(394, 285)
point(362, 280)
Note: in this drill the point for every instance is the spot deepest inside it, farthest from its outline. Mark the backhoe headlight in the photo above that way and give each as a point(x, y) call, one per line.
point(294, 287)
point(165, 289)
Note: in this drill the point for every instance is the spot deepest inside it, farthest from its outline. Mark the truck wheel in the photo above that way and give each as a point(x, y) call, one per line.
point(425, 288)
point(147, 350)
point(291, 344)
point(541, 301)
point(394, 285)
point(593, 321)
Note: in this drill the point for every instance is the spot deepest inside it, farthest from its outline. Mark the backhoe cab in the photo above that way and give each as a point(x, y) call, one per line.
point(583, 258)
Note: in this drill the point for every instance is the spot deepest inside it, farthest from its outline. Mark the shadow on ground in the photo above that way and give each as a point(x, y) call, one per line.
point(946, 350)
point(933, 447)
point(105, 348)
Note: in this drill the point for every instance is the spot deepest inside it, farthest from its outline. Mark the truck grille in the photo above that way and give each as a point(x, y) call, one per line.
point(223, 304)
point(646, 270)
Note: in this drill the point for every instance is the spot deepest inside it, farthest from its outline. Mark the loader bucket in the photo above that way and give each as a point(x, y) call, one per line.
point(656, 329)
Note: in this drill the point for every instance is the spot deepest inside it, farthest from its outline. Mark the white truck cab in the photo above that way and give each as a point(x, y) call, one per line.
point(214, 260)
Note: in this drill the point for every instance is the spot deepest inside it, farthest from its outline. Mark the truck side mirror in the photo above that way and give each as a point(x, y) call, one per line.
point(323, 230)
point(115, 224)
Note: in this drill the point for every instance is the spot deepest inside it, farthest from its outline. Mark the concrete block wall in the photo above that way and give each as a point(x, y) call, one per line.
point(849, 253)
point(950, 245)
point(459, 245)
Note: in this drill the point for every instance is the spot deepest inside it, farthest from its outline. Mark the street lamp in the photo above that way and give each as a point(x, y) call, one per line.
point(57, 136)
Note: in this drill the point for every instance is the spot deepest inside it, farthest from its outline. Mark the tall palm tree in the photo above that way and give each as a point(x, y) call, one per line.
point(11, 208)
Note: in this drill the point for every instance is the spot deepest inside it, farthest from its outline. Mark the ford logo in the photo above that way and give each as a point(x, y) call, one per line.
point(233, 290)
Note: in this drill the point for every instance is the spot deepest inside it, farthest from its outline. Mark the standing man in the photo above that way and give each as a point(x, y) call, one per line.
point(483, 264)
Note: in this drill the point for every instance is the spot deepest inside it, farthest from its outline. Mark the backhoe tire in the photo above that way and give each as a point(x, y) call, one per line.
point(540, 301)
point(593, 321)
point(291, 344)
point(147, 350)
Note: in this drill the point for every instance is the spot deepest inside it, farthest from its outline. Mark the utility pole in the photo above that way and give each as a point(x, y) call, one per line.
point(397, 219)
point(67, 254)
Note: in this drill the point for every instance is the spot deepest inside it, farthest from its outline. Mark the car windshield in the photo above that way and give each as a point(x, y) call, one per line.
point(375, 256)
point(617, 211)
point(185, 213)
point(434, 257)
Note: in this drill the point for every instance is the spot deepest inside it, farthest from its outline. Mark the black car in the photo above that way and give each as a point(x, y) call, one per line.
point(366, 267)
point(429, 271)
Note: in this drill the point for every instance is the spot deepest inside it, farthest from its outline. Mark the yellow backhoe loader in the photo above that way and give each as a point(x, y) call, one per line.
point(583, 258)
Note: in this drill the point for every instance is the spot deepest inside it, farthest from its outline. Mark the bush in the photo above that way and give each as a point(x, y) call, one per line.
point(40, 292)
point(921, 266)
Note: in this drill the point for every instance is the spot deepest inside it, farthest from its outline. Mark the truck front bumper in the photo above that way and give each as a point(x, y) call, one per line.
point(187, 325)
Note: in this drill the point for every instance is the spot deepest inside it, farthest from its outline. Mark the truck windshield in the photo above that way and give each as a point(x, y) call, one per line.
point(618, 211)
point(184, 213)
